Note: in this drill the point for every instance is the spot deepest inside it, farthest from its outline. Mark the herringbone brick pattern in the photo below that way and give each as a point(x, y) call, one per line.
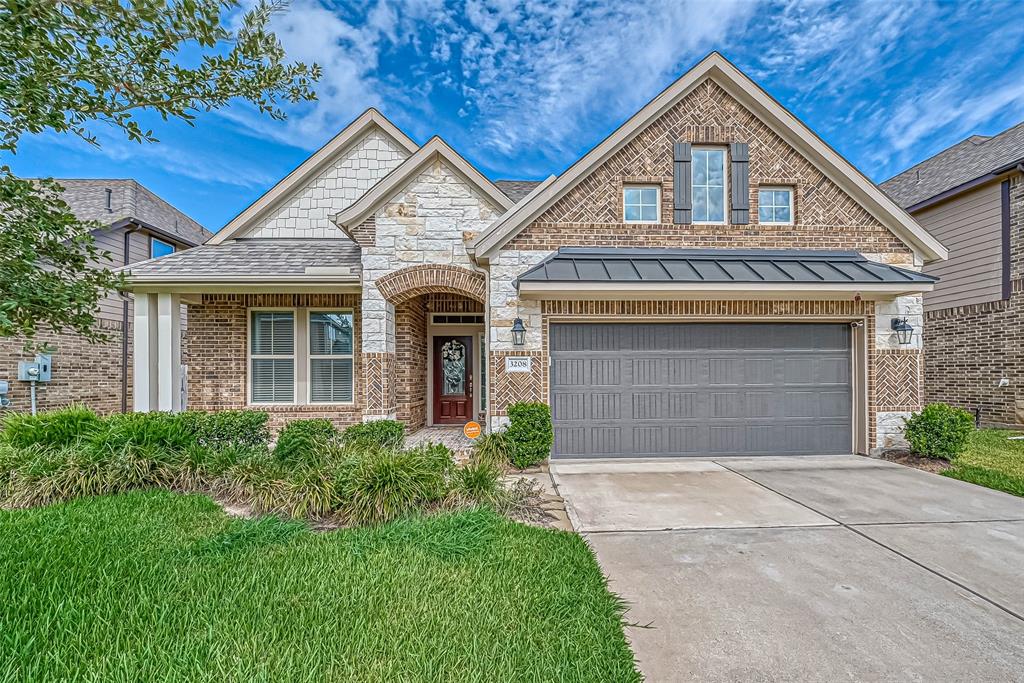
point(898, 380)
point(379, 380)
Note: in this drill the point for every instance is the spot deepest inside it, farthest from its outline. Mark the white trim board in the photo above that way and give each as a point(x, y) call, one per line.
point(762, 105)
point(351, 134)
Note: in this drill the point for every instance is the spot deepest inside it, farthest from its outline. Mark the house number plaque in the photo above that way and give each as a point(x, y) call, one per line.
point(518, 364)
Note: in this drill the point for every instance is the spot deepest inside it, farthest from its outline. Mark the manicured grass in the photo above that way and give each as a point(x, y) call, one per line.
point(163, 586)
point(992, 460)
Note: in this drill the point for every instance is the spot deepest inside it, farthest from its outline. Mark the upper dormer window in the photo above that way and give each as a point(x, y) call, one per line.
point(708, 185)
point(640, 203)
point(775, 205)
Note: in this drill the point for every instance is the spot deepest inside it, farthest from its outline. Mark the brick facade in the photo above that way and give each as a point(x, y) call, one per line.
point(969, 349)
point(893, 376)
point(217, 351)
point(591, 213)
point(83, 372)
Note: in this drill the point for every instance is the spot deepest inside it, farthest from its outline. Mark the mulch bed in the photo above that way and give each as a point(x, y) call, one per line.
point(917, 461)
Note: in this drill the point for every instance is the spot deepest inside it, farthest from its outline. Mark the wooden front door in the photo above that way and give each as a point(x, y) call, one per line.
point(453, 379)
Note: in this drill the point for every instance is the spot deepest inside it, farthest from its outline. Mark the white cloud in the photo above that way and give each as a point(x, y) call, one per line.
point(538, 73)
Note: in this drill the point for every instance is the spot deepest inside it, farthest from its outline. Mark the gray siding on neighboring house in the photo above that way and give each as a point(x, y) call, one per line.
point(128, 199)
point(970, 226)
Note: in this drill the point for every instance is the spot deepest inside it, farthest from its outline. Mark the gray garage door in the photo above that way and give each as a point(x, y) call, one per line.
point(700, 389)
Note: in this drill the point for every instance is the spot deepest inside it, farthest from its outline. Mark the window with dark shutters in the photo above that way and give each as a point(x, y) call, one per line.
point(682, 203)
point(740, 182)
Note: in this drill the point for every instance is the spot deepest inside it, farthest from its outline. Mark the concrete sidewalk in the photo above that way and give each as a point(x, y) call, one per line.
point(818, 568)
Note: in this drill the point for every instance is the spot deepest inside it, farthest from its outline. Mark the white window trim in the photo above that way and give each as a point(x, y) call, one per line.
point(725, 184)
point(153, 239)
point(657, 202)
point(310, 357)
point(250, 356)
point(776, 188)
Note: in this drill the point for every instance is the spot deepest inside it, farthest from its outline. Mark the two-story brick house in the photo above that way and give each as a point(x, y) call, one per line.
point(138, 226)
point(710, 278)
point(971, 197)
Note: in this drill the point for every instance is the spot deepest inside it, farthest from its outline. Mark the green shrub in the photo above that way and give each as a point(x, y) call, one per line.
point(530, 433)
point(300, 439)
point(477, 482)
point(939, 431)
point(493, 448)
point(169, 433)
point(224, 428)
point(380, 485)
point(375, 434)
point(53, 429)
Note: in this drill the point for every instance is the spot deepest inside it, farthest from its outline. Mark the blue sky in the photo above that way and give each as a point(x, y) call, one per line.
point(523, 88)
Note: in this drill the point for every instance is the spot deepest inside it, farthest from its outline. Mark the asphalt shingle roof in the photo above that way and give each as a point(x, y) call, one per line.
point(759, 266)
point(516, 189)
point(972, 158)
point(249, 258)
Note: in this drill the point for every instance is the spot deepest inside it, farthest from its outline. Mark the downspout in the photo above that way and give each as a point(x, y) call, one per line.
point(124, 325)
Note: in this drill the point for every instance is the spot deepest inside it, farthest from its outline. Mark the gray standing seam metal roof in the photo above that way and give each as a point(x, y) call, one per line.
point(253, 258)
point(582, 264)
point(516, 189)
point(965, 161)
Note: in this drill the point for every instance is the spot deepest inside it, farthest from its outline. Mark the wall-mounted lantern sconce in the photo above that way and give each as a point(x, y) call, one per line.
point(518, 332)
point(903, 329)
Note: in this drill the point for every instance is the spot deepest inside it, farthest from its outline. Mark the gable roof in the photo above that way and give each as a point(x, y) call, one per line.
point(353, 132)
point(435, 148)
point(773, 114)
point(976, 157)
point(516, 189)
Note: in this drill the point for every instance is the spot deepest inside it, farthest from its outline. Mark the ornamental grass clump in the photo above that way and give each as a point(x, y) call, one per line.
point(300, 440)
point(380, 485)
point(54, 429)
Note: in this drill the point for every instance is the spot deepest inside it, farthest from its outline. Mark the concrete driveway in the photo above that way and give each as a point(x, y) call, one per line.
point(811, 568)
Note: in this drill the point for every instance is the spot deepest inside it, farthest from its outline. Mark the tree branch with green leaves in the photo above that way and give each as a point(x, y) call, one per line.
point(67, 65)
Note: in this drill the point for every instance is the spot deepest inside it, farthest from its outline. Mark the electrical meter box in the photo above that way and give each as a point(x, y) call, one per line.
point(35, 371)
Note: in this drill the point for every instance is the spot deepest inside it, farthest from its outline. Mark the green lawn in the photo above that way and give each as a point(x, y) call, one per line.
point(993, 461)
point(161, 586)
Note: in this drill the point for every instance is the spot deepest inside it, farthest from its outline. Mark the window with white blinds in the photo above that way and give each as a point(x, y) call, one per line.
point(330, 357)
point(272, 356)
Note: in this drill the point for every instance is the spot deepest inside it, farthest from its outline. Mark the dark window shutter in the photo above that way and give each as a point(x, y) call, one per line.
point(740, 182)
point(682, 206)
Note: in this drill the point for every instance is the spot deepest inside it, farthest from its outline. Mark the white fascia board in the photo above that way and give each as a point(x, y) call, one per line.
point(284, 188)
point(773, 114)
point(434, 149)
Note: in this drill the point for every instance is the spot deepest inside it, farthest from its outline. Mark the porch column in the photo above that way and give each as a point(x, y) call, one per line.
point(144, 353)
point(378, 356)
point(169, 352)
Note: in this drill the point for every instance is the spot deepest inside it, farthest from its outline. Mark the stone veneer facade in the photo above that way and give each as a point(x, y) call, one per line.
point(969, 349)
point(415, 245)
point(307, 213)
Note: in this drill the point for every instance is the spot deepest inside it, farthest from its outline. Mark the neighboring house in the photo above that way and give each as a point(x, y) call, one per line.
point(971, 197)
point(139, 226)
point(711, 278)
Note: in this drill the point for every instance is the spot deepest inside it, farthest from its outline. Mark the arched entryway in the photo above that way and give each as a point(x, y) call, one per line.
point(440, 372)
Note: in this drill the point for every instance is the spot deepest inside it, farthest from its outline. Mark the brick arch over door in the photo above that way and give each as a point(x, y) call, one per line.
point(407, 283)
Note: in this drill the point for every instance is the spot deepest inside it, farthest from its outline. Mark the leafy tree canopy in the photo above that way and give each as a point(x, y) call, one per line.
point(66, 65)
